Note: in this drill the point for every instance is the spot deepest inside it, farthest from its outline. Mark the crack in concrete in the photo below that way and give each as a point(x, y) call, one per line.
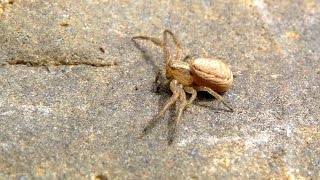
point(57, 63)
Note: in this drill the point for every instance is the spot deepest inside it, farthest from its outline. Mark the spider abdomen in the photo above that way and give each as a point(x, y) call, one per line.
point(211, 73)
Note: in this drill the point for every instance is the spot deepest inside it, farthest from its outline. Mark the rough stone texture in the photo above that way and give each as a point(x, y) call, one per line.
point(68, 110)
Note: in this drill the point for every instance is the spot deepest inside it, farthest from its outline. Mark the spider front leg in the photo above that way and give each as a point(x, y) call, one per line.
point(170, 102)
point(181, 106)
point(214, 94)
point(193, 93)
point(176, 42)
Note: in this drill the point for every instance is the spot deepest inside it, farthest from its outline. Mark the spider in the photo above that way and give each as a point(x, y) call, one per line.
point(198, 74)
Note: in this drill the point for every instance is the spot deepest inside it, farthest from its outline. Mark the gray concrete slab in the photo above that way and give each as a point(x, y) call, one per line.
point(76, 92)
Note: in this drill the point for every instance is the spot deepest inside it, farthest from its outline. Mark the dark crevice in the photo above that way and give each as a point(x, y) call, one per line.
point(58, 63)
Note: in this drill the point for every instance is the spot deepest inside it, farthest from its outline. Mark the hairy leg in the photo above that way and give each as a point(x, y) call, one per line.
point(171, 101)
point(176, 42)
point(181, 106)
point(214, 94)
point(193, 93)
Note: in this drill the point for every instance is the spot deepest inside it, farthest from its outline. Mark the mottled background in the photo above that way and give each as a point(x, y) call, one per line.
point(76, 92)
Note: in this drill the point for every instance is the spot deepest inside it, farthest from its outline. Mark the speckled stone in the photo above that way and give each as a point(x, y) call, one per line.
point(76, 92)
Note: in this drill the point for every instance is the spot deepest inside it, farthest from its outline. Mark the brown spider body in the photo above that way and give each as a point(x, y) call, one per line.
point(212, 73)
point(202, 74)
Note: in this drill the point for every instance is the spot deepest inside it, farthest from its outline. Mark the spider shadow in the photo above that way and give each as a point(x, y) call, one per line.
point(206, 97)
point(171, 125)
point(146, 56)
point(159, 88)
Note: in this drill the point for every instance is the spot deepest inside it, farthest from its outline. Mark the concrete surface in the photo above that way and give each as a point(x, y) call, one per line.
point(76, 92)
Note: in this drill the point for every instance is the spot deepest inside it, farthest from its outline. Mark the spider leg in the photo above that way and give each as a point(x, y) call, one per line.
point(159, 43)
point(181, 106)
point(214, 94)
point(176, 42)
point(171, 101)
point(193, 93)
